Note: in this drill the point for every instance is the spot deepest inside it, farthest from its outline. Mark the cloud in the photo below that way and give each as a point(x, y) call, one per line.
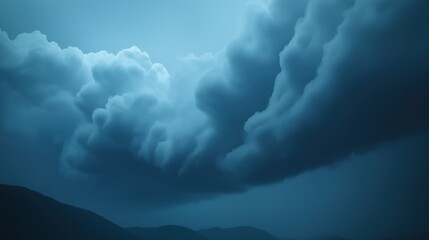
point(348, 84)
point(307, 83)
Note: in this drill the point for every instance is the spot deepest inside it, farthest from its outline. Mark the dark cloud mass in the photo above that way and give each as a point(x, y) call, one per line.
point(306, 84)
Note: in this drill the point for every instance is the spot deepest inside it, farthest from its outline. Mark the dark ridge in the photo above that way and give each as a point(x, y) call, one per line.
point(169, 232)
point(236, 233)
point(25, 214)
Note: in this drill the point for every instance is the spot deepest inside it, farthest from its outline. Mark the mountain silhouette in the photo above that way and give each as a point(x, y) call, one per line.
point(25, 214)
point(330, 238)
point(172, 232)
point(169, 232)
point(236, 233)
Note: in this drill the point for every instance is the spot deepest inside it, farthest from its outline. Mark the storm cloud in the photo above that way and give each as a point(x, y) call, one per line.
point(306, 84)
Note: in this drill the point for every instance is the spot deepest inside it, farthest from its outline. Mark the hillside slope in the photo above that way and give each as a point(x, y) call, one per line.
point(29, 215)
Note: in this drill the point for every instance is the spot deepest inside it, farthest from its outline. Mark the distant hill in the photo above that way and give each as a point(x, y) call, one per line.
point(172, 232)
point(169, 232)
point(236, 233)
point(331, 238)
point(25, 214)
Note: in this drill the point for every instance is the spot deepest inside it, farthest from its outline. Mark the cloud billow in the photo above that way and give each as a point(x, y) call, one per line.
point(368, 86)
point(308, 83)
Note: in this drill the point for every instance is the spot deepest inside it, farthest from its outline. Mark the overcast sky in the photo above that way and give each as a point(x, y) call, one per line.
point(167, 29)
point(302, 117)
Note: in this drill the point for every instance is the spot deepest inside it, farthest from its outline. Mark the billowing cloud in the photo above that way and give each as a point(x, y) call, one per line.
point(349, 82)
point(308, 83)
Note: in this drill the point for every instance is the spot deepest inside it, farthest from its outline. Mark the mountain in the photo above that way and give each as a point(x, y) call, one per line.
point(172, 232)
point(330, 238)
point(236, 233)
point(169, 232)
point(25, 214)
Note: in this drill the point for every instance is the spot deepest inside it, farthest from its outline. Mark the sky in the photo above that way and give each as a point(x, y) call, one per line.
point(302, 117)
